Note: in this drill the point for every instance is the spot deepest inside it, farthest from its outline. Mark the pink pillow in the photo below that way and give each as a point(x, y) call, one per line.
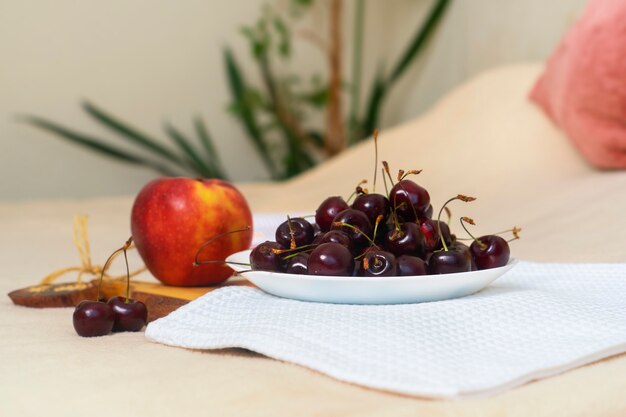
point(583, 88)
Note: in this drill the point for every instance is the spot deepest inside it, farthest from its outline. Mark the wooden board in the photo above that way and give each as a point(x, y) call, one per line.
point(160, 299)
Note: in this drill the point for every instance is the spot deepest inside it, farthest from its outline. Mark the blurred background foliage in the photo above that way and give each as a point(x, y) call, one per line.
point(294, 121)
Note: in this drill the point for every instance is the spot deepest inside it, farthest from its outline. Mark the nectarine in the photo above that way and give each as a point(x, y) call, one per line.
point(171, 219)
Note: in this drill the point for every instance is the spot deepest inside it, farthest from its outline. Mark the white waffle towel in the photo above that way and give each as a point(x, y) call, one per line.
point(535, 321)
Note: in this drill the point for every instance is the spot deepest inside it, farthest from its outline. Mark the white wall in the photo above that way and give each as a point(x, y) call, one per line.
point(151, 61)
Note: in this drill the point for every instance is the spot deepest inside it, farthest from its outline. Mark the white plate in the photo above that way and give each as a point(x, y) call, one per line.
point(367, 290)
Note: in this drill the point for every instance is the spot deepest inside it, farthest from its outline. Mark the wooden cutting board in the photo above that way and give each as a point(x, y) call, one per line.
point(163, 299)
point(160, 299)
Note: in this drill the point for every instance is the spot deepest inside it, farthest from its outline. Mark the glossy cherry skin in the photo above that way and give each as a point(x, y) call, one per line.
point(338, 236)
point(493, 253)
point(465, 250)
point(129, 317)
point(298, 264)
point(93, 318)
point(432, 241)
point(303, 232)
point(428, 213)
point(379, 264)
point(411, 265)
point(331, 259)
point(316, 230)
point(264, 258)
point(327, 211)
point(407, 240)
point(358, 220)
point(373, 205)
point(409, 200)
point(448, 262)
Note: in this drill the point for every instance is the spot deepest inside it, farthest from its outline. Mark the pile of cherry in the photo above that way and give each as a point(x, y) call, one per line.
point(119, 314)
point(379, 236)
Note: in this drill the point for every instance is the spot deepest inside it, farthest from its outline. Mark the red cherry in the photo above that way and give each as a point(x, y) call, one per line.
point(337, 236)
point(361, 230)
point(490, 251)
point(429, 228)
point(331, 259)
point(298, 264)
point(378, 263)
point(93, 318)
point(409, 200)
point(327, 211)
point(130, 315)
point(298, 229)
point(411, 265)
point(448, 262)
point(265, 258)
point(407, 239)
point(373, 205)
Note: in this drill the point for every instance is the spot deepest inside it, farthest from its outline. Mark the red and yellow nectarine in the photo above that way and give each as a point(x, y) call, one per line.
point(171, 219)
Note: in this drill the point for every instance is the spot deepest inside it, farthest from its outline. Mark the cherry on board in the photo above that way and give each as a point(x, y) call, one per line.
point(130, 315)
point(93, 318)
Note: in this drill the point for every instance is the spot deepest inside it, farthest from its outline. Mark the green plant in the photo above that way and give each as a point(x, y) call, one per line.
point(185, 158)
point(276, 115)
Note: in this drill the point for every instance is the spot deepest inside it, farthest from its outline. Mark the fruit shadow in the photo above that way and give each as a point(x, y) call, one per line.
point(232, 352)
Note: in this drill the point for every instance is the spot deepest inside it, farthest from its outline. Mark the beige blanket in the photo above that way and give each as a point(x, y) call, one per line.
point(485, 139)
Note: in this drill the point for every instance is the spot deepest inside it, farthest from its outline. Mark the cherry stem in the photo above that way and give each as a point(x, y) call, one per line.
point(357, 190)
point(386, 170)
point(127, 278)
point(402, 175)
point(106, 265)
point(221, 262)
point(281, 251)
point(237, 273)
point(351, 196)
point(461, 197)
point(412, 207)
point(378, 220)
point(385, 181)
point(355, 229)
point(375, 159)
point(365, 252)
point(515, 230)
point(292, 241)
point(293, 255)
point(449, 214)
point(394, 212)
point(471, 221)
point(213, 239)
